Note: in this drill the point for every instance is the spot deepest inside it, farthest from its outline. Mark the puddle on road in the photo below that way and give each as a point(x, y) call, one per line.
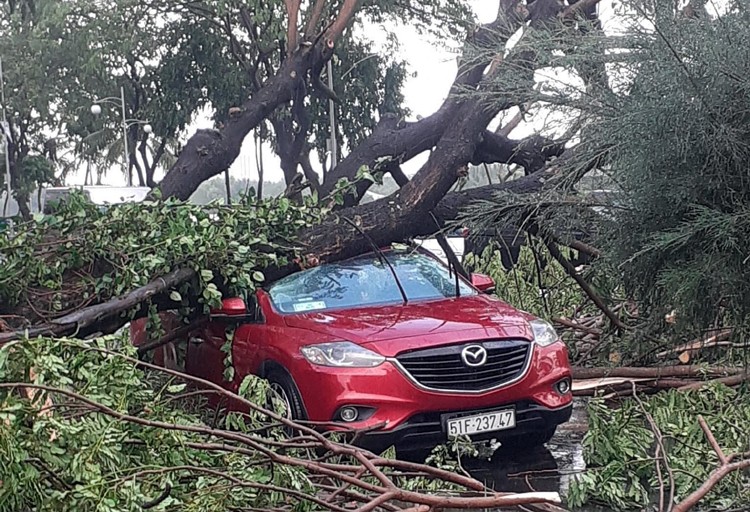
point(545, 468)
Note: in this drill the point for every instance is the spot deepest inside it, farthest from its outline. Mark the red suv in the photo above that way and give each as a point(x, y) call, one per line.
point(395, 338)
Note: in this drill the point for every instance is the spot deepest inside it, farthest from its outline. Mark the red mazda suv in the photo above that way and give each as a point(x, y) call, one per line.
point(394, 338)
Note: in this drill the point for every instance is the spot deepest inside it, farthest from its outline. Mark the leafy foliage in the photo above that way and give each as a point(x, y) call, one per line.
point(681, 161)
point(619, 449)
point(58, 453)
point(82, 254)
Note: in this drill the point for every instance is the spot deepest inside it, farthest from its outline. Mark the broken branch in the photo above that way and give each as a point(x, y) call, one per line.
point(654, 373)
point(726, 467)
point(93, 314)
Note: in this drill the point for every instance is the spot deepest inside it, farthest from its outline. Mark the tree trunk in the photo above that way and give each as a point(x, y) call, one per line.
point(135, 165)
point(151, 169)
point(19, 194)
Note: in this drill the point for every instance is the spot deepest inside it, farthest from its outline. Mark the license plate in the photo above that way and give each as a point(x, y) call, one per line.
point(478, 423)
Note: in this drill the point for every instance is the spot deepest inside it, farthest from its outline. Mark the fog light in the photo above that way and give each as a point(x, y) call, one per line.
point(563, 387)
point(349, 414)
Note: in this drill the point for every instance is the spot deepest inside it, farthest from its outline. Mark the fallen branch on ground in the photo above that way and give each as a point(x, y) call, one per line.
point(655, 373)
point(338, 473)
point(82, 318)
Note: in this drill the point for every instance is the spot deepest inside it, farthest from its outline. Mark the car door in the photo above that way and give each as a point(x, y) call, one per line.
point(231, 328)
point(249, 339)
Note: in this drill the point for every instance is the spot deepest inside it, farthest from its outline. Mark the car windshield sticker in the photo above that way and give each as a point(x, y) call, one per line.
point(309, 306)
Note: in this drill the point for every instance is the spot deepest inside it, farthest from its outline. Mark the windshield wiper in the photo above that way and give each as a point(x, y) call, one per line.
point(381, 257)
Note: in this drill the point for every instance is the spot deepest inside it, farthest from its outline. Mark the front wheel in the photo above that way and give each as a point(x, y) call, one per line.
point(286, 392)
point(540, 438)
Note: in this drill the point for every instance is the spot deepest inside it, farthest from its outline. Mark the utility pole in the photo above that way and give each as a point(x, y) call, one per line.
point(6, 141)
point(332, 113)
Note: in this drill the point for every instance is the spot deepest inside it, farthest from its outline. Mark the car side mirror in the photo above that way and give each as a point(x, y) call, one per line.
point(483, 283)
point(235, 309)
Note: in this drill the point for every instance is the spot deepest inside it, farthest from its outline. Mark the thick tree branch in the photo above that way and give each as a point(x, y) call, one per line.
point(531, 153)
point(315, 15)
point(401, 141)
point(210, 152)
point(292, 31)
point(345, 16)
point(85, 317)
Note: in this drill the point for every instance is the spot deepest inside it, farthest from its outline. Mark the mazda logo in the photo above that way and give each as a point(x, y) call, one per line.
point(474, 355)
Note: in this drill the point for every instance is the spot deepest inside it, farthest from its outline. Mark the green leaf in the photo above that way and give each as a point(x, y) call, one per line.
point(176, 388)
point(258, 276)
point(175, 296)
point(229, 373)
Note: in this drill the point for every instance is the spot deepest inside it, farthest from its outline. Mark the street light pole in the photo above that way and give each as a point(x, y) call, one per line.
point(125, 138)
point(6, 141)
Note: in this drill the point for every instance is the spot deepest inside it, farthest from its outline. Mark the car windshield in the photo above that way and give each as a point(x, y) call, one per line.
point(364, 281)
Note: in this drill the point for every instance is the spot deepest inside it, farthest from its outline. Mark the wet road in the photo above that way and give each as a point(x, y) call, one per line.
point(546, 468)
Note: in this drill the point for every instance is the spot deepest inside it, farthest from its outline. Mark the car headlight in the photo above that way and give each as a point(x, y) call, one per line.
point(544, 333)
point(342, 354)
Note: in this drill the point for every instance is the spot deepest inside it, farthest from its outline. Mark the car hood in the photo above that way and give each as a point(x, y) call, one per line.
point(395, 328)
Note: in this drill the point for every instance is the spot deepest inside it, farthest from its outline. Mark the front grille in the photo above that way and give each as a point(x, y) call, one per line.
point(443, 368)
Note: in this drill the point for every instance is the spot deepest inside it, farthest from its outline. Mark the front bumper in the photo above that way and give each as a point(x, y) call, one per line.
point(425, 431)
point(406, 409)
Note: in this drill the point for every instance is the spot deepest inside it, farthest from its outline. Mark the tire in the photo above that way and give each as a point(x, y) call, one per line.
point(528, 445)
point(283, 384)
point(540, 438)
